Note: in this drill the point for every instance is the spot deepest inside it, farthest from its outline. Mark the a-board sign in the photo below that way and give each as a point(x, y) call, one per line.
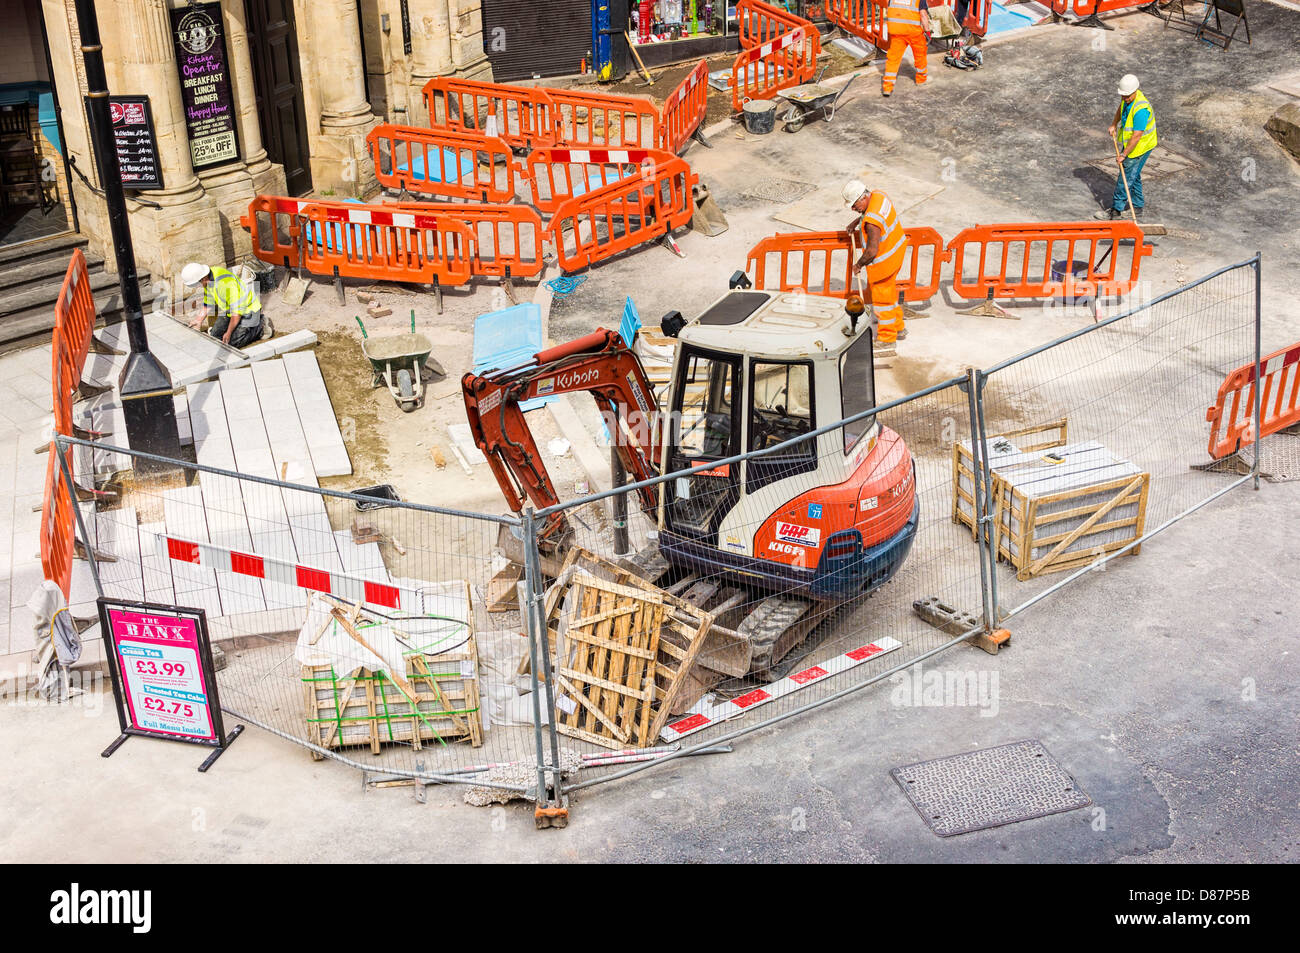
point(204, 68)
point(137, 144)
point(160, 660)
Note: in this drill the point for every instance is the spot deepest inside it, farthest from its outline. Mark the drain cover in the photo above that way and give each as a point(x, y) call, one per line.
point(768, 188)
point(1163, 163)
point(989, 788)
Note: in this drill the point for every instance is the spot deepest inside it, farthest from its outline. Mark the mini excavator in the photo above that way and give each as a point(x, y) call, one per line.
point(773, 543)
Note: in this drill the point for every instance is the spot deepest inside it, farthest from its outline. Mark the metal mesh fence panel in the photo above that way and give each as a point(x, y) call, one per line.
point(797, 549)
point(740, 540)
point(1130, 397)
point(352, 625)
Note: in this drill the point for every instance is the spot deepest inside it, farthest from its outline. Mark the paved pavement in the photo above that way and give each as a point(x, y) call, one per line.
point(1165, 685)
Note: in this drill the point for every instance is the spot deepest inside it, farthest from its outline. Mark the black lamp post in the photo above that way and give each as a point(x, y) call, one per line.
point(145, 387)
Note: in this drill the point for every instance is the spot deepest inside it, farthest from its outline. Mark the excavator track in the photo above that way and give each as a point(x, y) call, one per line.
point(773, 626)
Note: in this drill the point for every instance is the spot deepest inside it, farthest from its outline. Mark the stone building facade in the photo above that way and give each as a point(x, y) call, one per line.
point(307, 79)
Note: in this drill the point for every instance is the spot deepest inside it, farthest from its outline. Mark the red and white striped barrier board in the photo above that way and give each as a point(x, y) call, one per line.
point(786, 686)
point(605, 156)
point(350, 588)
point(767, 49)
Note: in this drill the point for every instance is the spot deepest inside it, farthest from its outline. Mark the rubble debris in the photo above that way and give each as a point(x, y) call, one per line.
point(524, 774)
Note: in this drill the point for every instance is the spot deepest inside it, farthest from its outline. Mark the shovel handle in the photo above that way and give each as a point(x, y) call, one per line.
point(364, 335)
point(412, 320)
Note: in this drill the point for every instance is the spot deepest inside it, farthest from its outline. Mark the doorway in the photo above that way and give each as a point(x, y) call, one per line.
point(35, 195)
point(273, 46)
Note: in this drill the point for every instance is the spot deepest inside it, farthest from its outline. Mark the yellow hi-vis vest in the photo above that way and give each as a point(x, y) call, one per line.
point(903, 17)
point(1148, 140)
point(881, 213)
point(225, 293)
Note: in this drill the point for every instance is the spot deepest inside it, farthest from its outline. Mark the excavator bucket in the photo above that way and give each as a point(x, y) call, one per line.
point(708, 218)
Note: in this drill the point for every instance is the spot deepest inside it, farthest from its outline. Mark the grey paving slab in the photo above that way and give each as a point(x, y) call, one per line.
point(329, 454)
point(157, 568)
point(117, 532)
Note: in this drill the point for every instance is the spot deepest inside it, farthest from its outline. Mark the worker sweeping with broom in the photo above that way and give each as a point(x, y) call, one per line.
point(1135, 124)
point(884, 245)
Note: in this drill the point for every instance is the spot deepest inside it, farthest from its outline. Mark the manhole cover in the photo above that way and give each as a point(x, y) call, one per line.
point(772, 189)
point(989, 788)
point(1162, 164)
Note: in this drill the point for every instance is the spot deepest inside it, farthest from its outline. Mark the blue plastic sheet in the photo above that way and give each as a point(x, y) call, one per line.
point(454, 172)
point(509, 338)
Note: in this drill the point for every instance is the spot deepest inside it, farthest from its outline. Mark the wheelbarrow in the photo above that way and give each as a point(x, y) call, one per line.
point(811, 101)
point(398, 362)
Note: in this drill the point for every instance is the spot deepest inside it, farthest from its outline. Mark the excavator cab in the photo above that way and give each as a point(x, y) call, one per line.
point(826, 516)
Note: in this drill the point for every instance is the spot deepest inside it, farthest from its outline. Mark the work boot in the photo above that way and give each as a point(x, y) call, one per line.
point(1137, 213)
point(886, 93)
point(1108, 215)
point(902, 335)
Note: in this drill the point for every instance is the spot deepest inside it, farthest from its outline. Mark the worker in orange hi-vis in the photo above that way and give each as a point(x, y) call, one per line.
point(907, 22)
point(884, 245)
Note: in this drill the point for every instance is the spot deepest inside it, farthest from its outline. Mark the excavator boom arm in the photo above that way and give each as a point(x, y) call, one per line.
point(600, 364)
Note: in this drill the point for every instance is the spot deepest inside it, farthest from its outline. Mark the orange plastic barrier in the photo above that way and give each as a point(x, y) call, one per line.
point(350, 240)
point(523, 116)
point(272, 223)
point(1016, 261)
point(611, 122)
point(863, 18)
point(508, 239)
point(557, 175)
point(608, 221)
point(866, 18)
point(359, 241)
point(760, 22)
point(820, 263)
point(57, 538)
point(763, 71)
point(684, 109)
point(1090, 8)
point(1232, 418)
point(442, 162)
point(74, 325)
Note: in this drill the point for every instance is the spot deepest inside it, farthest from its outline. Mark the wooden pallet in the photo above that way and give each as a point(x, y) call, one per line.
point(605, 672)
point(1022, 525)
point(1045, 436)
point(683, 633)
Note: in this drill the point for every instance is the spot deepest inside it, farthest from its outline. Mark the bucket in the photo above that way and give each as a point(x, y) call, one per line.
point(1069, 273)
point(760, 116)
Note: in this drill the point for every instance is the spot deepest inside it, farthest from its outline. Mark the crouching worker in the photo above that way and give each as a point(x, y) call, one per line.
point(237, 310)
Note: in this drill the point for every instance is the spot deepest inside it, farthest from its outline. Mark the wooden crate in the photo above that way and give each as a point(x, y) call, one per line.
point(1057, 517)
point(367, 708)
point(1025, 440)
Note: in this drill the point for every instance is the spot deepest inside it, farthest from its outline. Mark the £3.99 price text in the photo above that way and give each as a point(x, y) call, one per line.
point(150, 667)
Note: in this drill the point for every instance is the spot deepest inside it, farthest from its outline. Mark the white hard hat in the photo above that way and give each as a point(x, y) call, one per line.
point(1128, 85)
point(193, 273)
point(853, 190)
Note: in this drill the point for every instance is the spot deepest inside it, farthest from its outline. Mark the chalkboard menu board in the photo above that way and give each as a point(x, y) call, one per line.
point(137, 145)
point(204, 70)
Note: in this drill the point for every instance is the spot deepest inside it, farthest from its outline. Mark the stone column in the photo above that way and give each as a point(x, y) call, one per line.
point(468, 58)
point(339, 159)
point(430, 53)
point(184, 225)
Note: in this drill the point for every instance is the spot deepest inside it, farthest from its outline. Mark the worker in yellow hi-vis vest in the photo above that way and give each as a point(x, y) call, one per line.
point(237, 310)
point(1135, 124)
point(908, 24)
